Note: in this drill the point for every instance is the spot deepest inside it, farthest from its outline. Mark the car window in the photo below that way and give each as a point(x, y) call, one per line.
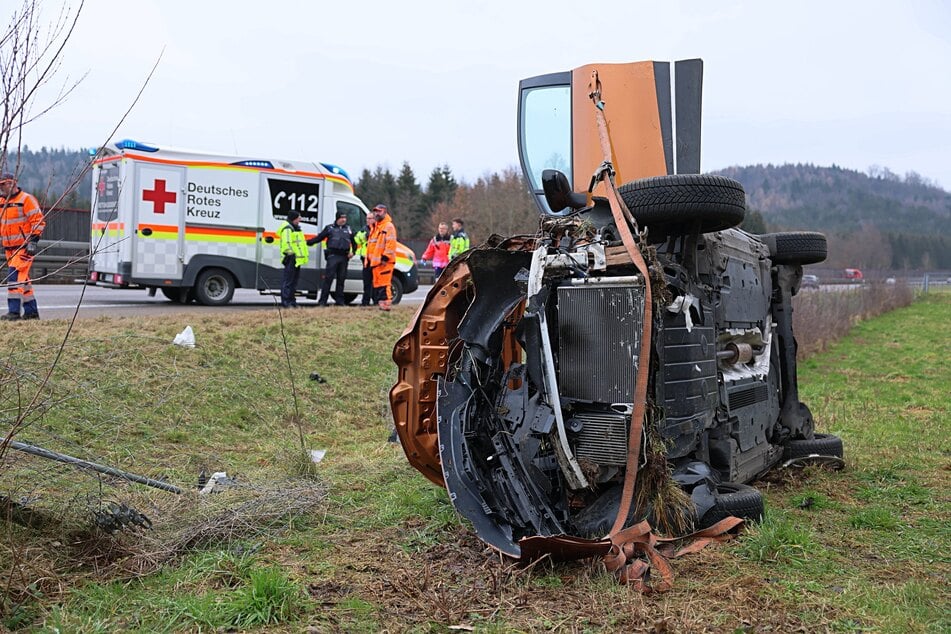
point(356, 217)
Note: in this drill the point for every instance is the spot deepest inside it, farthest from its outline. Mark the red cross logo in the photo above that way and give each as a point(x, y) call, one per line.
point(159, 196)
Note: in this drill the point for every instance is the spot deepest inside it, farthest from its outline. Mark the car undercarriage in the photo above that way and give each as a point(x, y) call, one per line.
point(635, 334)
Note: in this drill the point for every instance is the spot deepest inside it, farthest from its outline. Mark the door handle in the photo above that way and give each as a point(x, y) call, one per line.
point(147, 231)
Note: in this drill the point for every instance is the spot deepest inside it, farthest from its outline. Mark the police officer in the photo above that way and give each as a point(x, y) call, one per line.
point(294, 255)
point(340, 245)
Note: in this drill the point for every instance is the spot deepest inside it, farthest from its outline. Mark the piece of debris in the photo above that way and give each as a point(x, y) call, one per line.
point(316, 455)
point(185, 338)
point(115, 517)
point(316, 377)
point(831, 462)
point(218, 481)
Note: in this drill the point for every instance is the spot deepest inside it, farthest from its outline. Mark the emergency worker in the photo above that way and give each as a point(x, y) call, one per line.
point(459, 243)
point(294, 254)
point(381, 253)
point(437, 250)
point(360, 239)
point(21, 223)
point(340, 244)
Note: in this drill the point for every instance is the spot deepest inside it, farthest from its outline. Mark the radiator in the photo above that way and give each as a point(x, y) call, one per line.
point(599, 332)
point(603, 437)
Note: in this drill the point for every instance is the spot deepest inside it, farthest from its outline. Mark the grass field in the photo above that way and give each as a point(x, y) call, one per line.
point(367, 544)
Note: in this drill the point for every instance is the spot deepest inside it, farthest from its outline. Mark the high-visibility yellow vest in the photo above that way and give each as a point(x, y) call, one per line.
point(361, 240)
point(293, 241)
point(458, 243)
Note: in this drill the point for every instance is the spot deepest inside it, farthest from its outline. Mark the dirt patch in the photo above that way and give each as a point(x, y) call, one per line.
point(460, 582)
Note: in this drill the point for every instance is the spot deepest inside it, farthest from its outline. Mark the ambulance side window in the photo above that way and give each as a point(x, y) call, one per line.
point(107, 193)
point(356, 218)
point(300, 196)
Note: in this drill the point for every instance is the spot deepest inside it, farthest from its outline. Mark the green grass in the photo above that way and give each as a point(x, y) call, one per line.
point(864, 549)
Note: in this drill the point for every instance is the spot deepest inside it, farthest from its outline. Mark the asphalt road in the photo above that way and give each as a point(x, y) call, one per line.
point(58, 301)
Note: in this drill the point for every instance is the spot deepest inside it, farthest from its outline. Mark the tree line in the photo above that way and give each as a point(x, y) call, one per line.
point(497, 202)
point(874, 220)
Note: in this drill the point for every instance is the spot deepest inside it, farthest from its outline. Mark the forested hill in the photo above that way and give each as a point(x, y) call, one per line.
point(841, 200)
point(47, 173)
point(877, 220)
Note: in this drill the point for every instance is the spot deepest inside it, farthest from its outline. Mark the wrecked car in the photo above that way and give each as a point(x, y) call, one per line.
point(627, 362)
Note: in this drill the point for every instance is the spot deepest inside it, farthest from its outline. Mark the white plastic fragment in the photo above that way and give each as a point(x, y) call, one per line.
point(682, 304)
point(212, 481)
point(185, 338)
point(317, 455)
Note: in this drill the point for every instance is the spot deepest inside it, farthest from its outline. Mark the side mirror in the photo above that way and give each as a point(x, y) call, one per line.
point(558, 192)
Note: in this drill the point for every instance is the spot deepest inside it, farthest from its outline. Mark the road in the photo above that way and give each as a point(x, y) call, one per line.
point(58, 301)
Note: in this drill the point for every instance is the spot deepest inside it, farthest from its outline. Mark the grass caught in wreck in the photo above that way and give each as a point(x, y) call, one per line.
point(864, 549)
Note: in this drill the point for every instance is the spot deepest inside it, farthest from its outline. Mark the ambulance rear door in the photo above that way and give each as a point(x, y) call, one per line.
point(111, 220)
point(158, 238)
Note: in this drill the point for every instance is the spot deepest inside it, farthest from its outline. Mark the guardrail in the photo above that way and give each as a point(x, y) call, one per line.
point(60, 261)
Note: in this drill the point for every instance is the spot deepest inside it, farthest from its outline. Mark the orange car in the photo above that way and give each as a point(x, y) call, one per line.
point(543, 373)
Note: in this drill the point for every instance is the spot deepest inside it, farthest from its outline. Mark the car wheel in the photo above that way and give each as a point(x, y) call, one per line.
point(177, 294)
point(349, 298)
point(666, 203)
point(396, 290)
point(214, 287)
point(737, 500)
point(796, 247)
point(820, 444)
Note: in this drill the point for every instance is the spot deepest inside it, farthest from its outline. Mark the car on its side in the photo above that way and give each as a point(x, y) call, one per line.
point(543, 372)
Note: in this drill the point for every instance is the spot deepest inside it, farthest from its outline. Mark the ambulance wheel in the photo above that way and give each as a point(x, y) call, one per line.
point(349, 298)
point(214, 287)
point(396, 290)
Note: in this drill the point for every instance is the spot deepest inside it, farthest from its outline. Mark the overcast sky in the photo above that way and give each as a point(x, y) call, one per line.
point(362, 84)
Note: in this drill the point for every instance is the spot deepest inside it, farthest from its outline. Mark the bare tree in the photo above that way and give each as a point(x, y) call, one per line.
point(31, 53)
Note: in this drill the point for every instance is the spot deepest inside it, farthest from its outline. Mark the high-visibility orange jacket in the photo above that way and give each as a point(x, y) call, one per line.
point(20, 219)
point(382, 243)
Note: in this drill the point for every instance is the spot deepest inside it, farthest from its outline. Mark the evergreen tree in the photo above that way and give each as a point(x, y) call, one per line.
point(441, 188)
point(410, 208)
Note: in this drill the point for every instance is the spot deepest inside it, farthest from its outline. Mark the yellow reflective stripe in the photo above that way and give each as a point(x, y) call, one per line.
point(215, 237)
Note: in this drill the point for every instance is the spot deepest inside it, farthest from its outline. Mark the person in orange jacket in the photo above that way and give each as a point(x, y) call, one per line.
point(21, 223)
point(381, 256)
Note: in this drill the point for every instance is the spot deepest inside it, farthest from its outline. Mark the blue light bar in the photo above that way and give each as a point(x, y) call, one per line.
point(336, 169)
point(129, 144)
point(254, 163)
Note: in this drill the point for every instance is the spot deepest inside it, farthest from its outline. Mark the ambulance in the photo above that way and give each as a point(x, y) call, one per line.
point(197, 226)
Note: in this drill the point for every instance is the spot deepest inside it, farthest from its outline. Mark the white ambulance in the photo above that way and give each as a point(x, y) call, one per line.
point(196, 226)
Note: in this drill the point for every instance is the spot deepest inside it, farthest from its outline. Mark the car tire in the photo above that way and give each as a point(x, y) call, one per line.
point(349, 298)
point(820, 444)
point(796, 247)
point(736, 500)
point(214, 287)
point(396, 290)
point(668, 203)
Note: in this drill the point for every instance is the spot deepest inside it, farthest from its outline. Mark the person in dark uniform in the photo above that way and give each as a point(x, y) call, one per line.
point(337, 251)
